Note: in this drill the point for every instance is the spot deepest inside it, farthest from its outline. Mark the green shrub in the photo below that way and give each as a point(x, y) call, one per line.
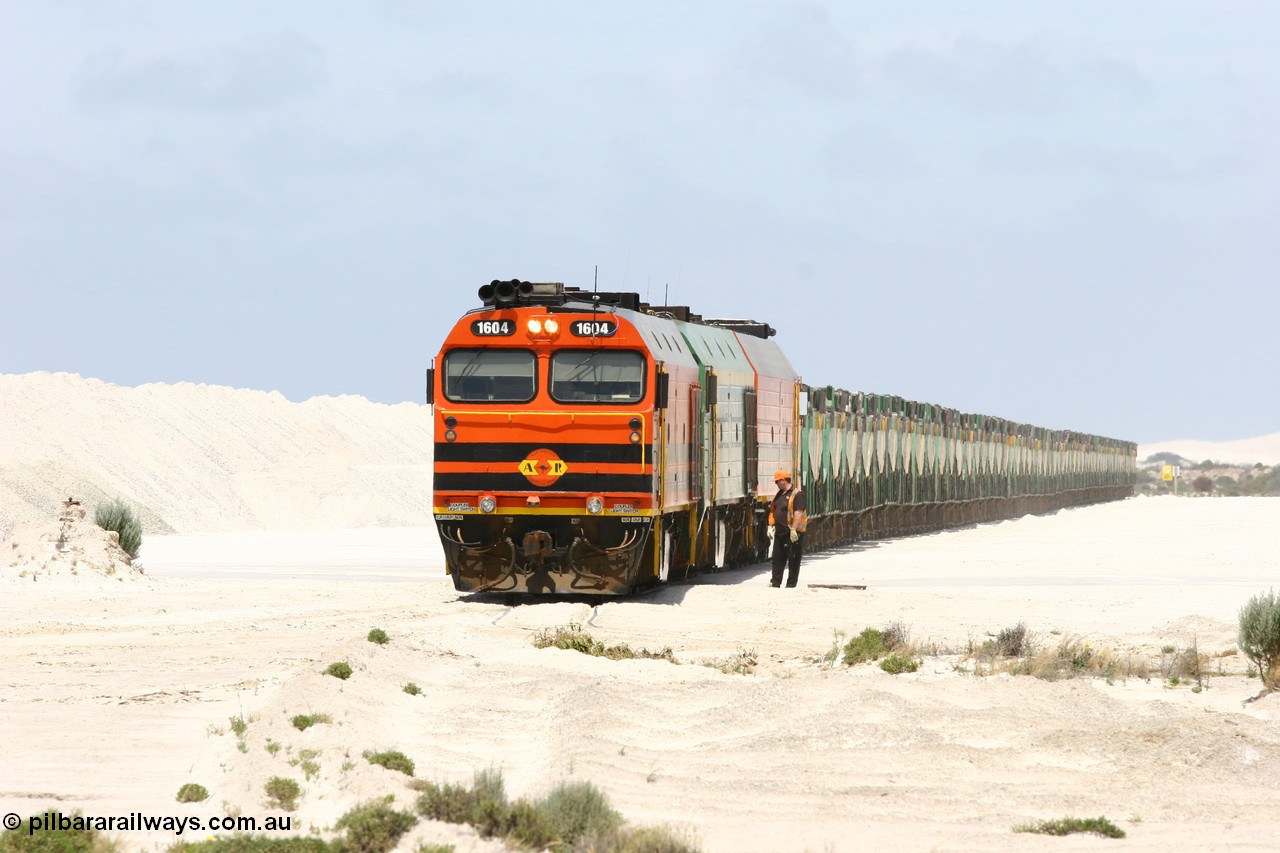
point(424, 847)
point(340, 669)
point(372, 827)
point(1068, 825)
point(243, 843)
point(379, 636)
point(896, 664)
point(118, 516)
point(302, 722)
point(574, 816)
point(1259, 636)
point(867, 646)
point(239, 726)
point(449, 803)
point(412, 689)
point(193, 793)
point(521, 822)
point(49, 839)
point(575, 639)
point(577, 809)
point(641, 839)
point(392, 760)
point(283, 793)
point(489, 784)
point(483, 804)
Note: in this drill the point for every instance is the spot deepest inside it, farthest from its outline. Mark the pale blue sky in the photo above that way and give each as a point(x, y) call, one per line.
point(1058, 213)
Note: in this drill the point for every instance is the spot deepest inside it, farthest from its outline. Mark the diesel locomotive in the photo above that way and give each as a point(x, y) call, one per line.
point(588, 442)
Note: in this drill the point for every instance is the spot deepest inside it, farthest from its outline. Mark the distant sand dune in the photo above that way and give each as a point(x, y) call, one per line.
point(1263, 449)
point(205, 458)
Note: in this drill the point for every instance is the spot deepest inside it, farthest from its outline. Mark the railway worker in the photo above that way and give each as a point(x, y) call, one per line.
point(787, 521)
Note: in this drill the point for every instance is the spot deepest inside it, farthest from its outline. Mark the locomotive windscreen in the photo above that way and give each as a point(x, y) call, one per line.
point(597, 376)
point(490, 375)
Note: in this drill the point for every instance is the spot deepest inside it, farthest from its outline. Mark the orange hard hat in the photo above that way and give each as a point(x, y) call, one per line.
point(781, 474)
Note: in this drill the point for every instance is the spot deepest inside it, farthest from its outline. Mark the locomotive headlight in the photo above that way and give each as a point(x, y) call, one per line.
point(535, 326)
point(551, 326)
point(488, 504)
point(635, 438)
point(595, 505)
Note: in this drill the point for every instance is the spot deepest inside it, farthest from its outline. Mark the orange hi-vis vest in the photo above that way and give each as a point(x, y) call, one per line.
point(797, 519)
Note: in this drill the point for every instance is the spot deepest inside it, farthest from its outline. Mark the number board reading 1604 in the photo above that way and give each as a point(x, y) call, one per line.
point(493, 328)
point(593, 328)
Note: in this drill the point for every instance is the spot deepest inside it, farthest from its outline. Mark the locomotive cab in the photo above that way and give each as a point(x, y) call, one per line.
point(545, 406)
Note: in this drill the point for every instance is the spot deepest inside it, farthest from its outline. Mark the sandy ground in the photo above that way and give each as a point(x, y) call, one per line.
point(115, 692)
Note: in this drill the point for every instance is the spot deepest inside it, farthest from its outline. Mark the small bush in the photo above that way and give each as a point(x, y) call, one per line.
point(283, 793)
point(340, 669)
point(896, 664)
point(575, 816)
point(575, 639)
point(192, 793)
point(578, 809)
point(895, 636)
point(475, 805)
point(412, 689)
point(1012, 642)
point(521, 822)
point(867, 646)
point(379, 636)
point(239, 726)
point(1068, 825)
point(372, 827)
point(242, 843)
point(1259, 636)
point(302, 722)
point(741, 662)
point(449, 803)
point(392, 760)
point(488, 784)
point(118, 516)
point(54, 839)
point(643, 839)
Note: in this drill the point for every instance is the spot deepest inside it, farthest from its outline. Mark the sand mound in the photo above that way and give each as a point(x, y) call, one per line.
point(68, 546)
point(1264, 449)
point(203, 459)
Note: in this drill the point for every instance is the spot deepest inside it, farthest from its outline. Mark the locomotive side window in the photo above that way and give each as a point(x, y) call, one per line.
point(597, 376)
point(489, 375)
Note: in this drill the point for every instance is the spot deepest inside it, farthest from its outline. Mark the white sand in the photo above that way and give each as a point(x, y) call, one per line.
point(1246, 451)
point(113, 692)
point(202, 458)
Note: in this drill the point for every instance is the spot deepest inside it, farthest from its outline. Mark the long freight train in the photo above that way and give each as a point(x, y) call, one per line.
point(588, 442)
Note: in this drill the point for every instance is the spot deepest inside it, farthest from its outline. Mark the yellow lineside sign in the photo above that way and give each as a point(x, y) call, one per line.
point(1168, 472)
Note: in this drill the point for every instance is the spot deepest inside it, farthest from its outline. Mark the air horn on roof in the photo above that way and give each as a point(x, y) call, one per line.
point(504, 293)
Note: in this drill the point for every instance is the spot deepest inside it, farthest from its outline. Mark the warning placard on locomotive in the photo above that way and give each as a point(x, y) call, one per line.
point(593, 328)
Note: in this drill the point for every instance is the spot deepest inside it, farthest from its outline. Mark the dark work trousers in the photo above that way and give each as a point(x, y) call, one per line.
point(786, 553)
